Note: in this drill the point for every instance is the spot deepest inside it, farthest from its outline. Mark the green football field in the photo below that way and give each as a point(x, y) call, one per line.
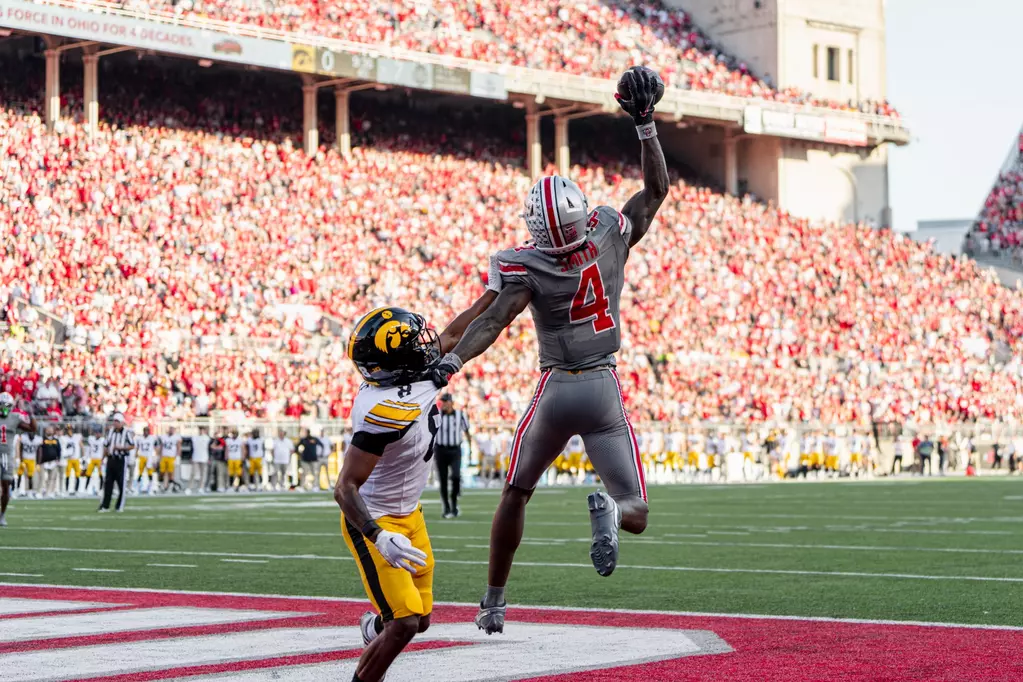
point(946, 550)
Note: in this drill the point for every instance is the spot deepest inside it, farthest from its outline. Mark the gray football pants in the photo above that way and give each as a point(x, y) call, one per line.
point(588, 403)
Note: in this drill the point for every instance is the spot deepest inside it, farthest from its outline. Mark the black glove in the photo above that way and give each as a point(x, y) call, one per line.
point(440, 372)
point(639, 89)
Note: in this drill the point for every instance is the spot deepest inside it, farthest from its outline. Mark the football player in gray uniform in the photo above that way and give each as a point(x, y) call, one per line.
point(11, 423)
point(571, 276)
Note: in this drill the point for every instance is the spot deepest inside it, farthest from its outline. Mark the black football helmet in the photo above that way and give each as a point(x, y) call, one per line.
point(392, 347)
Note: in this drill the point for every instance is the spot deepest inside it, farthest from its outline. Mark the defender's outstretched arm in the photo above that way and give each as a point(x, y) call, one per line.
point(485, 329)
point(452, 334)
point(482, 333)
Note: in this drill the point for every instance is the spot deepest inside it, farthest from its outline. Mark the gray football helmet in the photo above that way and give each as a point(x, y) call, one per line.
point(556, 215)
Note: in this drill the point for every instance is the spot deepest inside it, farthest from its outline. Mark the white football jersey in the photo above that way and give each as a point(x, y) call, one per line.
point(234, 448)
point(30, 444)
point(94, 446)
point(397, 423)
point(169, 445)
point(255, 446)
point(146, 446)
point(70, 446)
point(575, 445)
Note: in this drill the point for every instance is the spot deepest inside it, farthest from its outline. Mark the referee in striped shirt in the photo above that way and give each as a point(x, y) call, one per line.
point(451, 429)
point(120, 443)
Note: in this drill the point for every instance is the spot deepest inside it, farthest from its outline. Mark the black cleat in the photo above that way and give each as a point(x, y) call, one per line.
point(605, 519)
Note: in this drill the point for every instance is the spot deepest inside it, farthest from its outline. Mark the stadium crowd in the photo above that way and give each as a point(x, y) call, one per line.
point(597, 38)
point(999, 227)
point(197, 260)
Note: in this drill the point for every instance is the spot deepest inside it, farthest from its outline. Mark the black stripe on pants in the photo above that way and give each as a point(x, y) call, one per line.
point(114, 474)
point(449, 467)
point(370, 569)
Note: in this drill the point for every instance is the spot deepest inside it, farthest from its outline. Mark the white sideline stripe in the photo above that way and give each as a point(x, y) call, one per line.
point(545, 607)
point(12, 605)
point(246, 561)
point(128, 620)
point(543, 564)
point(99, 570)
point(173, 565)
point(23, 575)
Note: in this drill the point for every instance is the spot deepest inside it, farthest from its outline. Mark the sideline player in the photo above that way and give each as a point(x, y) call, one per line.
point(572, 276)
point(71, 458)
point(95, 448)
point(394, 421)
point(11, 422)
point(146, 458)
point(170, 454)
point(255, 451)
point(28, 453)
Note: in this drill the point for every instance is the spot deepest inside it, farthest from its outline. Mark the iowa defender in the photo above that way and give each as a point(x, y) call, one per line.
point(571, 276)
point(385, 470)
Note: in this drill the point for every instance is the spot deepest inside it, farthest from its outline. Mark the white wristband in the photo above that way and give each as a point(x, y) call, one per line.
point(647, 130)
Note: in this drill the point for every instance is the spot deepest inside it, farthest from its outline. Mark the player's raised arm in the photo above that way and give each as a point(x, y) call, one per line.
point(483, 331)
point(639, 89)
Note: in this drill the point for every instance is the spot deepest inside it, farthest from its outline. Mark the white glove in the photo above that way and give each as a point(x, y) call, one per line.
point(398, 551)
point(494, 275)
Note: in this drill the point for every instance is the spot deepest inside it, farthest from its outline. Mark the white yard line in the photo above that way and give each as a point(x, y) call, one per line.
point(544, 607)
point(173, 565)
point(540, 564)
point(99, 570)
point(645, 540)
point(246, 561)
point(23, 575)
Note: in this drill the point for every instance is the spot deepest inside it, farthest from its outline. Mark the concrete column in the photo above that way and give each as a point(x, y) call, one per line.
point(344, 136)
point(91, 63)
point(731, 163)
point(311, 134)
point(561, 158)
point(534, 146)
point(52, 88)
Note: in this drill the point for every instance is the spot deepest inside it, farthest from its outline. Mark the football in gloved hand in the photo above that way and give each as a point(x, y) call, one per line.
point(630, 76)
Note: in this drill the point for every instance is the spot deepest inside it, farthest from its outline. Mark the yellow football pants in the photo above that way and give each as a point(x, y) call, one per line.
point(234, 468)
point(74, 468)
point(27, 468)
point(94, 465)
point(166, 465)
point(395, 592)
point(255, 467)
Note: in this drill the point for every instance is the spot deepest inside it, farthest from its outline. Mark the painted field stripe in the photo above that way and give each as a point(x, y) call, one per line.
point(23, 575)
point(246, 561)
point(173, 565)
point(550, 564)
point(125, 620)
point(99, 570)
point(85, 589)
point(10, 606)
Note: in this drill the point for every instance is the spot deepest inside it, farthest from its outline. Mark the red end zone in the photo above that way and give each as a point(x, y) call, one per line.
point(61, 633)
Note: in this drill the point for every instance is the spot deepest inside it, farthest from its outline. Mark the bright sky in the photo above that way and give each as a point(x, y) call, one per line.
point(953, 73)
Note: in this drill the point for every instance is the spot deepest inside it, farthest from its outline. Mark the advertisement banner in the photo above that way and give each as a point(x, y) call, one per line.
point(145, 35)
point(451, 80)
point(404, 73)
point(490, 85)
point(846, 131)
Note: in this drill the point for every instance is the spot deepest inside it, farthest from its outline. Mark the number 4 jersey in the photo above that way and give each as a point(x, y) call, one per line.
point(397, 424)
point(576, 297)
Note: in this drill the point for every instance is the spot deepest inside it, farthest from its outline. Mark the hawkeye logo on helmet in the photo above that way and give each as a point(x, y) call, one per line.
point(390, 334)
